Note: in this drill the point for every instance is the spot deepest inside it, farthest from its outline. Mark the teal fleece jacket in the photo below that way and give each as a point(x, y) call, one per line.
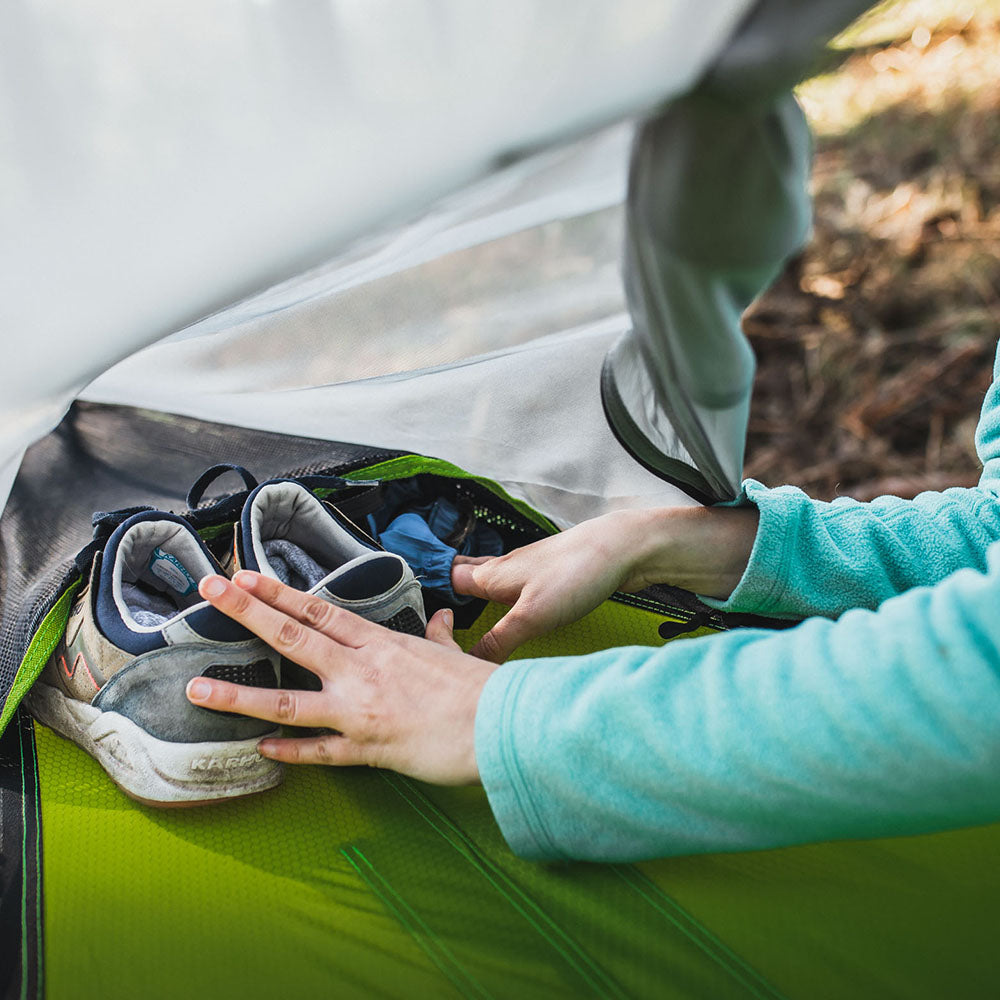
point(879, 715)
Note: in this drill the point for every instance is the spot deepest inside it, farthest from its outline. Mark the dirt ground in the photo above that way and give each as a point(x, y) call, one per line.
point(876, 345)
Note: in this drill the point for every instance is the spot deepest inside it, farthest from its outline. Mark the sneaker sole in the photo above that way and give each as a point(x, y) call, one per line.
point(156, 772)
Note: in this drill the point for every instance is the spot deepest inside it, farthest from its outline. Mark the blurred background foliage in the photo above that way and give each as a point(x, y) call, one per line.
point(876, 345)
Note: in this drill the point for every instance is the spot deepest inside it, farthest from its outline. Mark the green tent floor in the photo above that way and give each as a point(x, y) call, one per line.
point(361, 883)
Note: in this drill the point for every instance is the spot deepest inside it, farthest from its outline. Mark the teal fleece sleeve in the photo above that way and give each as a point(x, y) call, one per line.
point(883, 722)
point(815, 558)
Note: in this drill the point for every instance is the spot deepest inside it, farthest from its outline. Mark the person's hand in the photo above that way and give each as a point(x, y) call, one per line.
point(559, 579)
point(397, 701)
point(551, 582)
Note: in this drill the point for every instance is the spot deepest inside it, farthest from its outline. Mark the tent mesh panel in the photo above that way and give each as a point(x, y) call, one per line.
point(107, 457)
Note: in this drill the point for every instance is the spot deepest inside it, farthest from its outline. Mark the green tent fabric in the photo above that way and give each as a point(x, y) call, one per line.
point(360, 883)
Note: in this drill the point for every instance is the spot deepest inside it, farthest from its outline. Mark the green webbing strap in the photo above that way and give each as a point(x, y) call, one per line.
point(39, 650)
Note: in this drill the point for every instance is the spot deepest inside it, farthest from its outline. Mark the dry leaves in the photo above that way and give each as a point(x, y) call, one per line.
point(876, 346)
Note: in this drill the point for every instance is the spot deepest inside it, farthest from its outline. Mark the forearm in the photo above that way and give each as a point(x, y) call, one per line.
point(785, 554)
point(878, 724)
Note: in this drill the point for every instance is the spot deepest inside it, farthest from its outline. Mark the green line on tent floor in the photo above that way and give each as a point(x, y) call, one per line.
point(700, 935)
point(555, 935)
point(439, 952)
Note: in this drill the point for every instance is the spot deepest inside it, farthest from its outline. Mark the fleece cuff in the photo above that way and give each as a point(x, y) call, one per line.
point(496, 757)
point(762, 589)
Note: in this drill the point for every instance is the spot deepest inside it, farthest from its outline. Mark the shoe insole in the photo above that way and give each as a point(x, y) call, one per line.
point(148, 606)
point(292, 565)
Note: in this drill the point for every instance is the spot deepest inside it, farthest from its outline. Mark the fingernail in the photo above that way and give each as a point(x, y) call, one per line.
point(245, 579)
point(448, 617)
point(265, 747)
point(199, 690)
point(212, 586)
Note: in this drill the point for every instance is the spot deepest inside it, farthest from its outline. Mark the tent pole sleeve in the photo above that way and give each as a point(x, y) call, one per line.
point(717, 202)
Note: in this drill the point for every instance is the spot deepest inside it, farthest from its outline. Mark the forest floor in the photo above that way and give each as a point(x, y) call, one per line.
point(876, 345)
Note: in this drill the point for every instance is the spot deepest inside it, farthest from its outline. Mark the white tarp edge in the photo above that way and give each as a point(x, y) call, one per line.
point(161, 161)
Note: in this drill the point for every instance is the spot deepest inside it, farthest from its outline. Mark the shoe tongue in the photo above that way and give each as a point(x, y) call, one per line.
point(367, 577)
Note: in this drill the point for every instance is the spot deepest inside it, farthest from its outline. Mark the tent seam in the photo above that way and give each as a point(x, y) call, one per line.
point(39, 927)
point(726, 958)
point(24, 877)
point(604, 985)
point(441, 961)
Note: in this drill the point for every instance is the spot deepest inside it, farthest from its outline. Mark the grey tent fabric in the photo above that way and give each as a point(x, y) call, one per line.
point(717, 202)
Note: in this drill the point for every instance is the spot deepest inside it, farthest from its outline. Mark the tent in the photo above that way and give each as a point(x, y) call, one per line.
point(386, 241)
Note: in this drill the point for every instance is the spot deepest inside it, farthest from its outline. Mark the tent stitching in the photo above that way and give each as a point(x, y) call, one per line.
point(39, 927)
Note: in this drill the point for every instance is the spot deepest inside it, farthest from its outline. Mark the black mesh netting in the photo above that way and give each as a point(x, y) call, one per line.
point(107, 457)
point(407, 621)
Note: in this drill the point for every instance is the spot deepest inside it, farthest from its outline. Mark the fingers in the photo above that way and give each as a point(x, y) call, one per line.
point(329, 749)
point(284, 633)
point(463, 577)
point(440, 629)
point(510, 632)
point(514, 628)
point(492, 578)
point(342, 626)
point(292, 708)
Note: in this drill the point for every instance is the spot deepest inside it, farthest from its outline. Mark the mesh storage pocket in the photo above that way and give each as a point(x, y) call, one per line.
point(407, 480)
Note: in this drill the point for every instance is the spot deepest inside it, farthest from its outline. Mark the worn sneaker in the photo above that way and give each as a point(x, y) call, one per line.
point(137, 633)
point(287, 533)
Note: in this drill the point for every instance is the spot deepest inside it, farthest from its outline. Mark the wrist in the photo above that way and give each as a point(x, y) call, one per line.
point(702, 549)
